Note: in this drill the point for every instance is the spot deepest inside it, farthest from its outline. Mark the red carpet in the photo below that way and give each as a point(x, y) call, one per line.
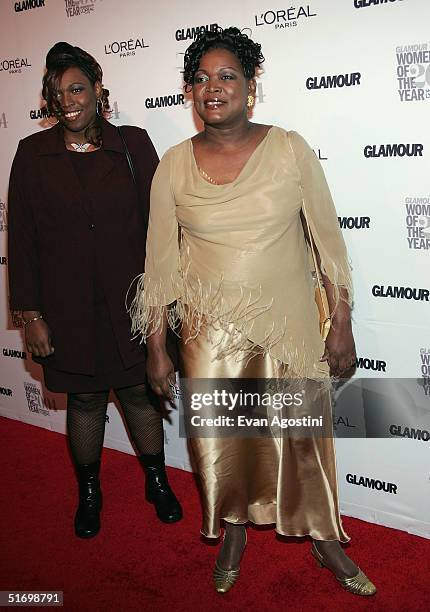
point(137, 563)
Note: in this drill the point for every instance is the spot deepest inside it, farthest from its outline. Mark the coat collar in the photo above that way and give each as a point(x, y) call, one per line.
point(52, 142)
point(51, 147)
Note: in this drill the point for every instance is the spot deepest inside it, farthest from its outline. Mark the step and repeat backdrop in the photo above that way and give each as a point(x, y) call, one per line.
point(353, 77)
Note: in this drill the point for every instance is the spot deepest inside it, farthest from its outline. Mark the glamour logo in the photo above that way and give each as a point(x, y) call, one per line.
point(366, 3)
point(418, 223)
point(354, 222)
point(403, 293)
point(126, 48)
point(27, 5)
point(413, 72)
point(3, 261)
point(3, 216)
point(284, 18)
point(40, 113)
point(333, 81)
point(403, 431)
point(394, 150)
point(371, 483)
point(14, 353)
point(14, 66)
point(192, 33)
point(163, 101)
point(377, 365)
point(74, 8)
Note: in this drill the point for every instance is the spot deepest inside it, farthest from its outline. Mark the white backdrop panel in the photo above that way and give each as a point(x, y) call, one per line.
point(324, 37)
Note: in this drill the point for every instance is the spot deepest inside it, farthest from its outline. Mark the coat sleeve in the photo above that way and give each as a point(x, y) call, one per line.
point(160, 285)
point(23, 256)
point(319, 209)
point(151, 163)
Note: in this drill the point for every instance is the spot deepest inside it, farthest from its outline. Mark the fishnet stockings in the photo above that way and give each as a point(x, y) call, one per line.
point(144, 421)
point(86, 418)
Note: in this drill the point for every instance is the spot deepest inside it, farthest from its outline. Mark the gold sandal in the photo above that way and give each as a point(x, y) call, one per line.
point(359, 584)
point(225, 579)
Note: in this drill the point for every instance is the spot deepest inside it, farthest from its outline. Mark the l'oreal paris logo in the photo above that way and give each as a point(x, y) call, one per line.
point(15, 65)
point(284, 18)
point(125, 48)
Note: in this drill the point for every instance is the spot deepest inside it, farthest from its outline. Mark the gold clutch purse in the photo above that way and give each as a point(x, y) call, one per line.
point(320, 292)
point(323, 308)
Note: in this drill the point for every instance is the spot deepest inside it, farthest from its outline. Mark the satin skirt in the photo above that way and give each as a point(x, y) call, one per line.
point(285, 481)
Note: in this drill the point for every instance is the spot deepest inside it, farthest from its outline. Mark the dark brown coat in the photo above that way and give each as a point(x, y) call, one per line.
point(57, 232)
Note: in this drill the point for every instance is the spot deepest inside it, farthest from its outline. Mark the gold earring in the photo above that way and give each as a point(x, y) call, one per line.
point(251, 100)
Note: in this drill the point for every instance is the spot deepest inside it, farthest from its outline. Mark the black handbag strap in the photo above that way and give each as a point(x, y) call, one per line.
point(128, 156)
point(132, 172)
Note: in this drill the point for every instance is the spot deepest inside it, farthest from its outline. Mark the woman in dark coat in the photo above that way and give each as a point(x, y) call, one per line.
point(76, 241)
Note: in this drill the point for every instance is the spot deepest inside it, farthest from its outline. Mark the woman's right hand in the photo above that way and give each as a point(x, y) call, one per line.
point(160, 372)
point(38, 338)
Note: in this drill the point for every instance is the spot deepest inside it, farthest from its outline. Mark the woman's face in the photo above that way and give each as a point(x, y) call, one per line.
point(76, 100)
point(220, 89)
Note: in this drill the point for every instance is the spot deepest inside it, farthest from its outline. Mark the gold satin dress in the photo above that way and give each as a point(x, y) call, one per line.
point(241, 293)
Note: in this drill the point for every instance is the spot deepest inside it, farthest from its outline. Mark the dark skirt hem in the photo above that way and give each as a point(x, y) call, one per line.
point(58, 381)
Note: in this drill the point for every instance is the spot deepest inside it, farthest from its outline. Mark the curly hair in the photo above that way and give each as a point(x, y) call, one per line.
point(246, 50)
point(58, 59)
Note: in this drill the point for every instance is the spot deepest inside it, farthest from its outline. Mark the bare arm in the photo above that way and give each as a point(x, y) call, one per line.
point(339, 346)
point(159, 366)
point(158, 287)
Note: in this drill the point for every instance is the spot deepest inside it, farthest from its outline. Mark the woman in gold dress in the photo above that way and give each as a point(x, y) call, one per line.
point(238, 285)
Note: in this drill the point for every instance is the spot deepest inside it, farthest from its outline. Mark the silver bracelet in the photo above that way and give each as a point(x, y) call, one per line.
point(31, 320)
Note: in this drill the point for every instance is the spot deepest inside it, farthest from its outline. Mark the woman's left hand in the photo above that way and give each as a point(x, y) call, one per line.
point(340, 348)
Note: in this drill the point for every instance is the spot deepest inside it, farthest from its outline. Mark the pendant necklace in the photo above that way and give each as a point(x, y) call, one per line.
point(80, 147)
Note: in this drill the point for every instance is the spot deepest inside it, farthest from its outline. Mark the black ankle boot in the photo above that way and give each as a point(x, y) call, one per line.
point(87, 518)
point(158, 491)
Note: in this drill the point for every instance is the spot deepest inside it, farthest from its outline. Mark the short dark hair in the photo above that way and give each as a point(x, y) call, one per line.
point(246, 50)
point(61, 57)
